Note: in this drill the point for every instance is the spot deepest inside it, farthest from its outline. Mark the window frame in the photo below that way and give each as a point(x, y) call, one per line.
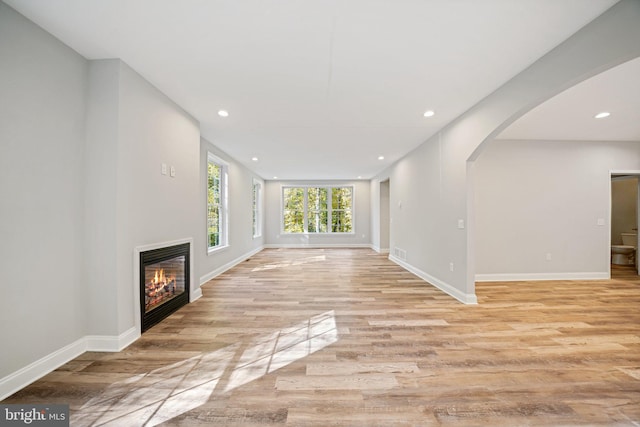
point(257, 207)
point(223, 214)
point(306, 210)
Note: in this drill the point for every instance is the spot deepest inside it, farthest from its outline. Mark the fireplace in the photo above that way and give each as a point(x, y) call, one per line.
point(164, 282)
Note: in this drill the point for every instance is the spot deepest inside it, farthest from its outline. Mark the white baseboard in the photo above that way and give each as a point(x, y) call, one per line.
point(523, 277)
point(111, 343)
point(38, 369)
point(195, 295)
point(316, 245)
point(218, 271)
point(380, 250)
point(444, 287)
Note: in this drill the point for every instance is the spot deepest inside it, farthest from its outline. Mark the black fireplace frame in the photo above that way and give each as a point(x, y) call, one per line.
point(164, 310)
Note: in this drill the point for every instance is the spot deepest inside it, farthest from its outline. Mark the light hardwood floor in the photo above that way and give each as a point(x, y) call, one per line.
point(344, 337)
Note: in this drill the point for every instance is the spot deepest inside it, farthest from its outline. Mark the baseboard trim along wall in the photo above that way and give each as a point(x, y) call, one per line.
point(444, 287)
point(524, 277)
point(38, 369)
point(380, 250)
point(112, 344)
point(218, 271)
point(195, 294)
point(316, 245)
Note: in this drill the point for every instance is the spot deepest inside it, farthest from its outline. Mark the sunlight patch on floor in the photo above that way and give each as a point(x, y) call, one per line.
point(295, 262)
point(172, 390)
point(283, 348)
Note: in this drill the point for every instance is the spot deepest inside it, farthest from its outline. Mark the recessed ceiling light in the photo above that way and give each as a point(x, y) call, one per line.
point(602, 115)
point(429, 113)
point(380, 157)
point(223, 113)
point(275, 177)
point(255, 159)
point(359, 176)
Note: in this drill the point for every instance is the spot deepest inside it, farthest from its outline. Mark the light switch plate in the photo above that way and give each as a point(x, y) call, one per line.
point(173, 171)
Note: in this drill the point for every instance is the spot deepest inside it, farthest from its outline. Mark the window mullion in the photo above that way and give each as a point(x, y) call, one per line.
point(305, 220)
point(330, 210)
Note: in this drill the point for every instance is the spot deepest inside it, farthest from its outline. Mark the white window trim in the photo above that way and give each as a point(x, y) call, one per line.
point(305, 207)
point(224, 211)
point(260, 207)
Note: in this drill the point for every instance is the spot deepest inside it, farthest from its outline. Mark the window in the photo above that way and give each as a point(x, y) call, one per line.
point(341, 220)
point(216, 203)
point(294, 210)
point(257, 208)
point(317, 209)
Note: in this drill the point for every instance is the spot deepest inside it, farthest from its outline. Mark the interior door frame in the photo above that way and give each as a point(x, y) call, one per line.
point(635, 173)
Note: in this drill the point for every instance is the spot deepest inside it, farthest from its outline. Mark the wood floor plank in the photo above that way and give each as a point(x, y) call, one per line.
point(350, 368)
point(337, 382)
point(344, 337)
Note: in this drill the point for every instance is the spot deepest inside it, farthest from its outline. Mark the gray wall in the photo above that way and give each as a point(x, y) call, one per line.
point(241, 240)
point(132, 129)
point(151, 207)
point(384, 215)
point(273, 224)
point(380, 216)
point(101, 227)
point(82, 145)
point(435, 183)
point(43, 89)
point(535, 198)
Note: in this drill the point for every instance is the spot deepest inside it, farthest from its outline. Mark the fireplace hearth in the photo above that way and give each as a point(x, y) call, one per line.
point(164, 282)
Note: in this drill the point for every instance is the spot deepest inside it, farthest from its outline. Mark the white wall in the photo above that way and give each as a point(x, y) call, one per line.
point(151, 207)
point(82, 145)
point(535, 198)
point(241, 241)
point(361, 218)
point(132, 129)
point(100, 195)
point(434, 184)
point(427, 190)
point(43, 87)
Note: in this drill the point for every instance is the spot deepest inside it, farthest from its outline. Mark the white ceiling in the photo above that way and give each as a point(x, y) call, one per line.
point(318, 89)
point(570, 115)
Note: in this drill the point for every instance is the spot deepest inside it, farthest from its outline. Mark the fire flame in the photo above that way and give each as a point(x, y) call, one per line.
point(160, 280)
point(157, 279)
point(160, 288)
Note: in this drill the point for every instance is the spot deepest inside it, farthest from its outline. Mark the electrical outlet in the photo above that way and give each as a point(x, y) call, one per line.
point(450, 266)
point(163, 169)
point(548, 256)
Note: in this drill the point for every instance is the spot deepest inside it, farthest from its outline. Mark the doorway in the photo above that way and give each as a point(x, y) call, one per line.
point(385, 219)
point(625, 216)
